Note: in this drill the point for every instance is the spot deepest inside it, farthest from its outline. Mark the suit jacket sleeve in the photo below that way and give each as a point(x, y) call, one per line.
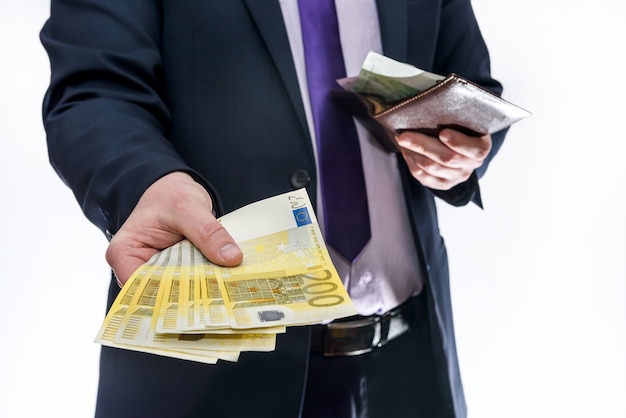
point(105, 113)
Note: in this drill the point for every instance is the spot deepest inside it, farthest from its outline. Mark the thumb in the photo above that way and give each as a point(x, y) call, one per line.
point(126, 253)
point(217, 245)
point(208, 235)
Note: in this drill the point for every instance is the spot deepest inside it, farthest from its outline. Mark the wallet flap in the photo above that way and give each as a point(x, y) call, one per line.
point(452, 103)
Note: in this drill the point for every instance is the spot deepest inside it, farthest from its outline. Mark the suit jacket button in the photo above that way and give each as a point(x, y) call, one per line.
point(300, 178)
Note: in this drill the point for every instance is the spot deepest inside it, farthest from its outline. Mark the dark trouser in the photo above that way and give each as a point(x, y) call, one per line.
point(394, 381)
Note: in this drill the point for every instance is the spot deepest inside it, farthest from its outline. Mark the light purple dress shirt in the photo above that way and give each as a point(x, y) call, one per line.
point(388, 270)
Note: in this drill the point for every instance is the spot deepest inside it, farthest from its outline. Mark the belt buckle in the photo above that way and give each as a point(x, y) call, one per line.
point(353, 338)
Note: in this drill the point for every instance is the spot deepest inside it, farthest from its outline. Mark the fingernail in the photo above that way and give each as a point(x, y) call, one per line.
point(229, 251)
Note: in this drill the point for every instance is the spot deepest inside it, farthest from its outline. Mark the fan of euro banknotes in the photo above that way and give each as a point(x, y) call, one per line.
point(181, 305)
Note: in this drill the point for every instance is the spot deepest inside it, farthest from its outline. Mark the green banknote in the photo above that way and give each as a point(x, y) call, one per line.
point(391, 80)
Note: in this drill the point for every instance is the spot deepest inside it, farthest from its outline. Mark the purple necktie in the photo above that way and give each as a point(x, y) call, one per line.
point(346, 215)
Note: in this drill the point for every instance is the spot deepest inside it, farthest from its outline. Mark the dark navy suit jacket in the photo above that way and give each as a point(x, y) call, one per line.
point(143, 88)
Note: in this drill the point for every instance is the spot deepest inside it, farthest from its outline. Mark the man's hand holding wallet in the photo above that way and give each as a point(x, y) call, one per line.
point(441, 125)
point(443, 162)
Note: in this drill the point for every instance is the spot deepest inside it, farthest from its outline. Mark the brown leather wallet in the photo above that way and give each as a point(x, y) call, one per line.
point(454, 102)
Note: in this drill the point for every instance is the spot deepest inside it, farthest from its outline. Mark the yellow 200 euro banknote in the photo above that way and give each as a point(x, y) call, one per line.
point(285, 279)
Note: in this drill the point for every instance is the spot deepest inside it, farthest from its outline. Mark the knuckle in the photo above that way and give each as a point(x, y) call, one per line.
point(181, 201)
point(186, 206)
point(417, 172)
point(112, 252)
point(412, 144)
point(481, 154)
point(431, 167)
point(418, 148)
point(450, 159)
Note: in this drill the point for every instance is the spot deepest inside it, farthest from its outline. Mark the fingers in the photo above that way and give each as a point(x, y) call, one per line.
point(442, 163)
point(431, 173)
point(125, 258)
point(173, 208)
point(475, 148)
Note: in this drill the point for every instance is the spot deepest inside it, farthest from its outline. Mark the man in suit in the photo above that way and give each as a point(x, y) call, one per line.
point(162, 115)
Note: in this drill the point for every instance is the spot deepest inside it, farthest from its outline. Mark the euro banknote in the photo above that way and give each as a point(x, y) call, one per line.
point(181, 305)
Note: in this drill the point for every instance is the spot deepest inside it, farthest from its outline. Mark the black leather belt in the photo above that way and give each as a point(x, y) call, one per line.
point(361, 334)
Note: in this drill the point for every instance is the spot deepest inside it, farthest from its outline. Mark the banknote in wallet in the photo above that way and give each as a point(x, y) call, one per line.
point(389, 97)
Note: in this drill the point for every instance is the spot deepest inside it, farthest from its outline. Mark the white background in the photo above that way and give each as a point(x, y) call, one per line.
point(537, 277)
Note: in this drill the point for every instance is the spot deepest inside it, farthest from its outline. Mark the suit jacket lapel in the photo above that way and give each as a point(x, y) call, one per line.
point(393, 28)
point(269, 20)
